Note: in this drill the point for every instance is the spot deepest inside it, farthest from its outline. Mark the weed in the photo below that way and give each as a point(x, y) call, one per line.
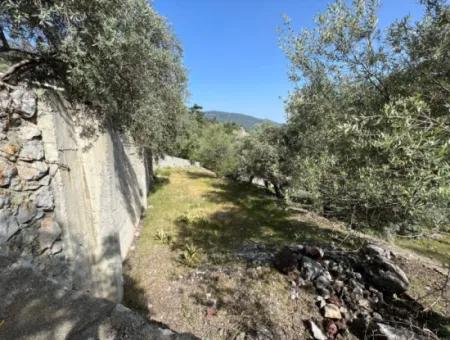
point(191, 255)
point(163, 237)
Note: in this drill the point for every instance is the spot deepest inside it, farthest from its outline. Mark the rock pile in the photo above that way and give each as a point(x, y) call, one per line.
point(27, 224)
point(352, 289)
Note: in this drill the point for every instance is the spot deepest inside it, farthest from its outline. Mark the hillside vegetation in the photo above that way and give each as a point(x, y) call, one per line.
point(246, 121)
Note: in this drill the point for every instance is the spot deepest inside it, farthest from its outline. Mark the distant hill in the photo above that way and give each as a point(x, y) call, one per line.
point(246, 121)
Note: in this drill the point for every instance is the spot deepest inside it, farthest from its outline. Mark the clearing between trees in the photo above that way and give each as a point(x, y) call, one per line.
point(203, 264)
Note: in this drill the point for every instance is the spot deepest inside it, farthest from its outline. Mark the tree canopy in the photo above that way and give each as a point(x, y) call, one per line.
point(120, 57)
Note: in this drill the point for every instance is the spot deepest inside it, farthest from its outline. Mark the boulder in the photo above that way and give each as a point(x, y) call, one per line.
point(7, 172)
point(24, 102)
point(286, 260)
point(32, 171)
point(32, 150)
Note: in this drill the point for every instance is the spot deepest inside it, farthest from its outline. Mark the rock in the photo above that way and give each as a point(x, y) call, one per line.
point(32, 150)
point(364, 303)
point(4, 201)
point(57, 247)
point(313, 252)
point(322, 281)
point(331, 329)
point(310, 269)
point(397, 333)
point(4, 103)
point(8, 225)
point(9, 151)
point(320, 301)
point(286, 260)
point(32, 171)
point(7, 172)
point(386, 276)
point(375, 250)
point(24, 102)
point(28, 131)
point(316, 331)
point(27, 211)
point(49, 232)
point(331, 311)
point(44, 198)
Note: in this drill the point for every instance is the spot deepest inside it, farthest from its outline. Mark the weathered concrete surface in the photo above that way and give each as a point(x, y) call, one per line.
point(100, 188)
point(174, 162)
point(34, 307)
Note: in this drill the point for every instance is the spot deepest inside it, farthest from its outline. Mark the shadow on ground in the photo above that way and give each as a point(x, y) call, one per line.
point(248, 214)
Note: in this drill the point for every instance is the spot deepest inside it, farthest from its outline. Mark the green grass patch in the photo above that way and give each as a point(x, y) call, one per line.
point(436, 248)
point(217, 216)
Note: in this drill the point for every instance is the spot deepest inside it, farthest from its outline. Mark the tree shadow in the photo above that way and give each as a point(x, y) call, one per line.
point(249, 214)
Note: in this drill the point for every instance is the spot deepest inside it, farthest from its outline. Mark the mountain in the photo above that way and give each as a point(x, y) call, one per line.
point(246, 121)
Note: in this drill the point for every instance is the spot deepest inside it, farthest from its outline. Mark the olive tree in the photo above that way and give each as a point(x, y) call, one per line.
point(118, 56)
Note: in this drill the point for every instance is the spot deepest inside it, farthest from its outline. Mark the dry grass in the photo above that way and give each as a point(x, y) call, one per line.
point(183, 272)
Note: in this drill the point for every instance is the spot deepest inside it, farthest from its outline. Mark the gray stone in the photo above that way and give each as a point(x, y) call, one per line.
point(4, 103)
point(24, 102)
point(332, 311)
point(4, 201)
point(32, 171)
point(28, 131)
point(8, 225)
point(316, 331)
point(397, 333)
point(310, 268)
point(386, 276)
point(375, 250)
point(57, 248)
point(44, 198)
point(7, 172)
point(49, 232)
point(32, 150)
point(27, 211)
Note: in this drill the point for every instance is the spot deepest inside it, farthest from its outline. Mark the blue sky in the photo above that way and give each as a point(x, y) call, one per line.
point(231, 48)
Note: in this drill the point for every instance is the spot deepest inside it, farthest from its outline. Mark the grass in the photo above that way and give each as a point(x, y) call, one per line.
point(219, 216)
point(438, 248)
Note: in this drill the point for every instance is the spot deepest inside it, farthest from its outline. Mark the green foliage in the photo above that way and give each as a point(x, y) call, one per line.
point(163, 237)
point(191, 255)
point(217, 149)
point(261, 155)
point(368, 128)
point(119, 56)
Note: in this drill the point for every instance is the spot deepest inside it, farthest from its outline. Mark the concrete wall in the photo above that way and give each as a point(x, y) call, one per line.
point(173, 162)
point(98, 184)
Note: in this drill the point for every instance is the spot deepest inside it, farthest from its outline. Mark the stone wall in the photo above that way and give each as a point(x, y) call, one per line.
point(71, 191)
